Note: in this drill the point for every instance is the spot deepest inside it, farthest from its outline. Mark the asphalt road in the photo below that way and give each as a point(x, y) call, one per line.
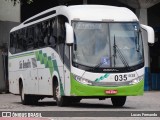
point(150, 101)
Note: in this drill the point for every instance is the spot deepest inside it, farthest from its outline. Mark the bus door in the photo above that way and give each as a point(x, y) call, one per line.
point(67, 69)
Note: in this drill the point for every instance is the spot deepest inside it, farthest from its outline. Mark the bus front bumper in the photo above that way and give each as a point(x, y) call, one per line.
point(78, 89)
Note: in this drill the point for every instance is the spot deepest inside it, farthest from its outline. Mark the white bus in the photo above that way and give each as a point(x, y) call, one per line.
point(75, 52)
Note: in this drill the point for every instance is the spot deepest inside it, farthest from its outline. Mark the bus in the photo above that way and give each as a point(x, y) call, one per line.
point(76, 52)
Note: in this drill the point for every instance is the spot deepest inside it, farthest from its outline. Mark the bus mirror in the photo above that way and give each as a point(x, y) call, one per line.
point(148, 33)
point(69, 34)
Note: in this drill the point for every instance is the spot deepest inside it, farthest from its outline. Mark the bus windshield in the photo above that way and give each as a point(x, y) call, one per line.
point(108, 45)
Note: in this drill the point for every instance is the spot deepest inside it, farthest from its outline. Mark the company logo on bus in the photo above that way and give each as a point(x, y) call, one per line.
point(111, 91)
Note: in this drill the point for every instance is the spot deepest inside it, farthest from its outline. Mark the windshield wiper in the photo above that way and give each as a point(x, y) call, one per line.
point(98, 65)
point(121, 56)
point(114, 50)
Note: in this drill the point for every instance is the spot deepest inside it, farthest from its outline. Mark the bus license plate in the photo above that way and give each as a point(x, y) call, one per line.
point(111, 91)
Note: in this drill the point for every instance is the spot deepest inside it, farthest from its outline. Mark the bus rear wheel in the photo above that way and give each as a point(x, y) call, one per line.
point(27, 99)
point(118, 101)
point(24, 98)
point(60, 100)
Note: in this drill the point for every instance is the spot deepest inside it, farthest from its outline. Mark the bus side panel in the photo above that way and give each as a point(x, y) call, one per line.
point(42, 72)
point(36, 69)
point(44, 83)
point(20, 67)
point(13, 76)
point(13, 83)
point(49, 63)
point(30, 81)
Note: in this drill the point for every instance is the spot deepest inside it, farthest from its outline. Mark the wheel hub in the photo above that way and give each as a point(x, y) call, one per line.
point(58, 96)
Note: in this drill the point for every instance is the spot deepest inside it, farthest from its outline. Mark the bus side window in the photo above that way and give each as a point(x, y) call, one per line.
point(42, 35)
point(13, 43)
point(53, 32)
point(24, 39)
point(61, 29)
point(19, 41)
point(46, 32)
point(30, 38)
point(61, 35)
point(37, 35)
point(22, 36)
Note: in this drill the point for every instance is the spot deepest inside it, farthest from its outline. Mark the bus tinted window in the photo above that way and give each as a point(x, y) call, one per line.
point(37, 35)
point(29, 38)
point(46, 33)
point(19, 37)
point(13, 42)
point(40, 35)
point(53, 32)
point(61, 29)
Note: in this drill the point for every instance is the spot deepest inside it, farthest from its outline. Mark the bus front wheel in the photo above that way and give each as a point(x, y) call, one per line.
point(60, 100)
point(118, 101)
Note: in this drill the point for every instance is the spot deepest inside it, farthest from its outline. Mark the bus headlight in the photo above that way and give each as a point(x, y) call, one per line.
point(82, 80)
point(137, 80)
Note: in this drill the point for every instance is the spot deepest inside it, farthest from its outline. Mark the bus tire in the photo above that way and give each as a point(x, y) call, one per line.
point(27, 99)
point(75, 100)
point(24, 98)
point(60, 100)
point(118, 101)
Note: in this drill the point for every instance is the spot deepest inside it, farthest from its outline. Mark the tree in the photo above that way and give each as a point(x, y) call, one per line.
point(20, 1)
point(60, 2)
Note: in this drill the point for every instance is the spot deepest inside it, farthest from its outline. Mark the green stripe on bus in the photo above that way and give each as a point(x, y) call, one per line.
point(50, 64)
point(21, 55)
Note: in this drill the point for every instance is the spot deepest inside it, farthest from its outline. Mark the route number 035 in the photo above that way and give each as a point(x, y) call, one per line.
point(120, 77)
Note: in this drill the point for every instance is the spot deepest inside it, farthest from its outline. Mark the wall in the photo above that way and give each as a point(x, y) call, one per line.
point(9, 17)
point(2, 81)
point(5, 28)
point(9, 12)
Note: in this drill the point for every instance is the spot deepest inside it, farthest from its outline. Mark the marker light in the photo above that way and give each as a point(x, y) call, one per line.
point(82, 80)
point(136, 80)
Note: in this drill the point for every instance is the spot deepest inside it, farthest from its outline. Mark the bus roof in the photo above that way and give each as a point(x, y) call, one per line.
point(84, 13)
point(100, 12)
